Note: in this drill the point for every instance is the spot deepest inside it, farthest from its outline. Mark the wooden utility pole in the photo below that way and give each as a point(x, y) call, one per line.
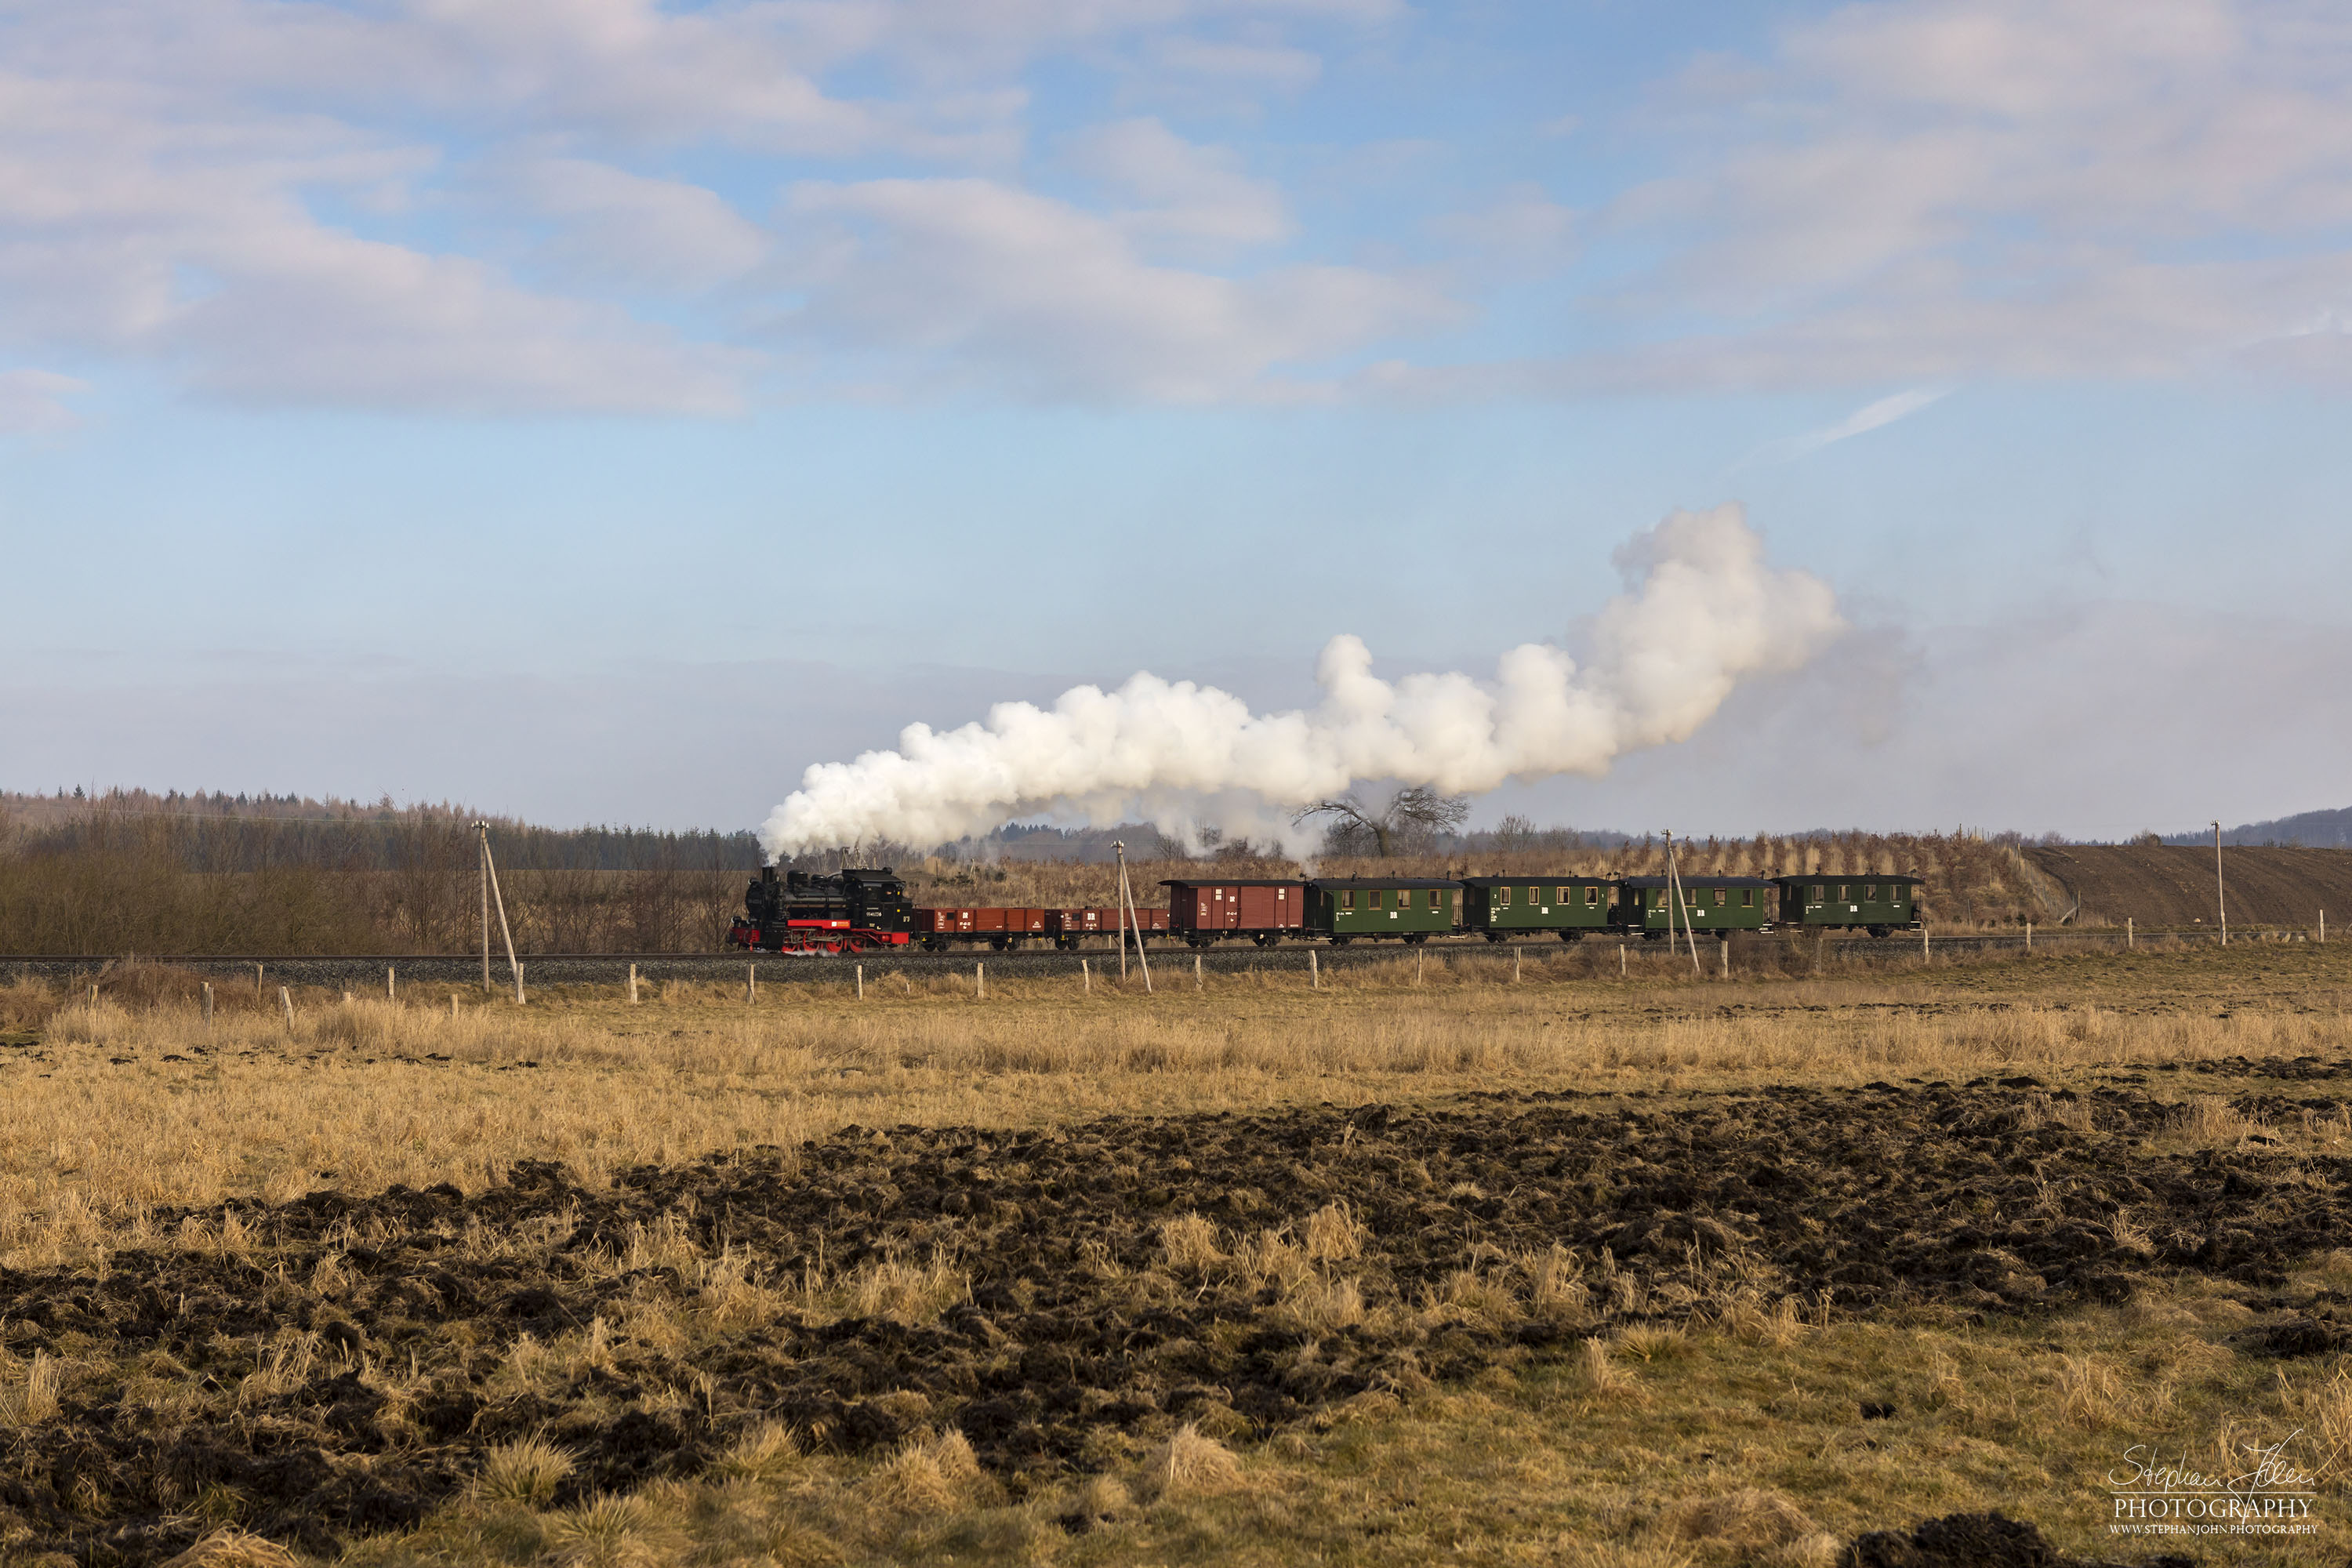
point(1128, 919)
point(2220, 894)
point(1675, 892)
point(482, 866)
point(491, 898)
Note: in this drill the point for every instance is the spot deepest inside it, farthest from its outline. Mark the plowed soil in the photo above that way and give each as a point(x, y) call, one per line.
point(2170, 885)
point(313, 1404)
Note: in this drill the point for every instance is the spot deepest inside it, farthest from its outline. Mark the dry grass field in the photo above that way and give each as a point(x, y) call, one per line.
point(1426, 1263)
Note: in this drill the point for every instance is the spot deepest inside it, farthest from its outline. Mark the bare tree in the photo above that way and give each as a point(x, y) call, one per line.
point(1409, 811)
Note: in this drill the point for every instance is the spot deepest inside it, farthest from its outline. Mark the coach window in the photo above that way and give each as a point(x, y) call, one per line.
point(1722, 897)
point(1747, 898)
point(1817, 893)
point(1502, 897)
point(1347, 898)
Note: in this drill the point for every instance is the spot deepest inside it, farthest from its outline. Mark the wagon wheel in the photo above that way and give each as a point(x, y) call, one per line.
point(1880, 930)
point(1494, 936)
point(1569, 933)
point(1414, 938)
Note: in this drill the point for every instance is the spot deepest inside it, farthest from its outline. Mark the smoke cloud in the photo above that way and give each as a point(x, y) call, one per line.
point(1701, 612)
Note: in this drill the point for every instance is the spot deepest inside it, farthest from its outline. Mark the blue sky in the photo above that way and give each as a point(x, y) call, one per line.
point(602, 410)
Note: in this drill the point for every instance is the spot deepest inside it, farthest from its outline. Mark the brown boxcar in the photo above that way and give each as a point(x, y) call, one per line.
point(1207, 910)
point(1070, 927)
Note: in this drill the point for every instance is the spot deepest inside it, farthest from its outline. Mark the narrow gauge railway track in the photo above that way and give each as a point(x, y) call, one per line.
point(1170, 960)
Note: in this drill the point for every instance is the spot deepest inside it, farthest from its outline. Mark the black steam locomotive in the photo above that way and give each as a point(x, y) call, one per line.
point(801, 912)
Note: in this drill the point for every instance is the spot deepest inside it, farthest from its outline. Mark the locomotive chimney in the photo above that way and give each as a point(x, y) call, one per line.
point(767, 873)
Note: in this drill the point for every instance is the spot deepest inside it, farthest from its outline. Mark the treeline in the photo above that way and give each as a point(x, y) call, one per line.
point(195, 875)
point(116, 876)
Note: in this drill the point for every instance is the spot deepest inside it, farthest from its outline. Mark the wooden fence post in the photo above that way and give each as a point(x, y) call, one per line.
point(391, 983)
point(208, 1006)
point(286, 1000)
point(861, 983)
point(1621, 960)
point(1314, 971)
point(1085, 978)
point(1198, 983)
point(633, 985)
point(979, 980)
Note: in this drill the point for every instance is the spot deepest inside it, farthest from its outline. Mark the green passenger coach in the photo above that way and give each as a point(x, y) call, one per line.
point(1713, 906)
point(1344, 909)
point(1506, 907)
point(1876, 901)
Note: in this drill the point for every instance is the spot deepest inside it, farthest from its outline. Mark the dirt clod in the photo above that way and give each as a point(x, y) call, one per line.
point(1977, 1541)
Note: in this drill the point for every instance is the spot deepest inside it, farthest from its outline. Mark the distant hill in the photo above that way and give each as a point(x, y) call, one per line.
point(2311, 829)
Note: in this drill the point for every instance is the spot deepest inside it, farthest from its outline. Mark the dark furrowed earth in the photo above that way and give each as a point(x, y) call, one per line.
point(345, 1364)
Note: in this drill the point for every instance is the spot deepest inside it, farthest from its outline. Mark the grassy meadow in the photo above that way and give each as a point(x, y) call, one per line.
point(1728, 1435)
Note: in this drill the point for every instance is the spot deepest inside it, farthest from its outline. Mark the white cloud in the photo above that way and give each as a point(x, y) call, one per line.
point(328, 318)
point(1191, 196)
point(127, 229)
point(33, 400)
point(284, 198)
point(1278, 68)
point(613, 226)
point(1870, 417)
point(1521, 230)
point(1940, 188)
point(1056, 301)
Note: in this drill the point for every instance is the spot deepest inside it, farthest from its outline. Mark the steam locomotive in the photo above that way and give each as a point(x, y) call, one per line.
point(801, 912)
point(863, 911)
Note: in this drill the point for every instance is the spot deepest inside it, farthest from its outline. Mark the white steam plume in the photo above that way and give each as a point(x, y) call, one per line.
point(1701, 612)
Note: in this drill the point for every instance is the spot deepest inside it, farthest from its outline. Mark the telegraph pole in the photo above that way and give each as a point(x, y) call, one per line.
point(1128, 919)
point(482, 869)
point(490, 893)
point(2220, 894)
point(1674, 891)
